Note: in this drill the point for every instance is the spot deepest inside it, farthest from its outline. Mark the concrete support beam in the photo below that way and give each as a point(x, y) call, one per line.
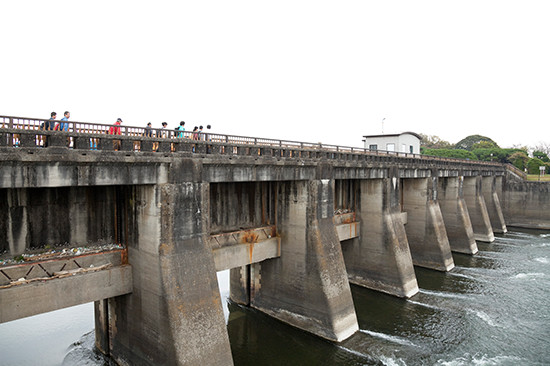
point(455, 214)
point(380, 258)
point(490, 186)
point(483, 230)
point(347, 226)
point(307, 286)
point(238, 255)
point(174, 315)
point(425, 228)
point(39, 297)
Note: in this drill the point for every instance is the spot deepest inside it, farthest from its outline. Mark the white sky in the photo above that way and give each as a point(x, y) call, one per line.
point(313, 71)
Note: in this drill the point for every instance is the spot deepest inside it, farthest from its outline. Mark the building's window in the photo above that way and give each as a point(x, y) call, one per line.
point(373, 147)
point(403, 148)
point(390, 147)
point(411, 149)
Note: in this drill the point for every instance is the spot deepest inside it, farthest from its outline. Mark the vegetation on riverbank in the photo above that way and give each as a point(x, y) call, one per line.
point(481, 148)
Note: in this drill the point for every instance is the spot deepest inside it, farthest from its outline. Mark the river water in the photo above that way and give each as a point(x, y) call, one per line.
point(492, 309)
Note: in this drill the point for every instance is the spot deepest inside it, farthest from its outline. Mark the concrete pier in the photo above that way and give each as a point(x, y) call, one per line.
point(489, 188)
point(380, 258)
point(307, 286)
point(175, 294)
point(479, 216)
point(425, 226)
point(455, 215)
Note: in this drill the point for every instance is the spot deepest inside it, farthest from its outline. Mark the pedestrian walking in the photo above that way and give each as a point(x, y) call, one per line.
point(181, 129)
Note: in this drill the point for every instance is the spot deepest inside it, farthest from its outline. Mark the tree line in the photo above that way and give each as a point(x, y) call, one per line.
point(477, 147)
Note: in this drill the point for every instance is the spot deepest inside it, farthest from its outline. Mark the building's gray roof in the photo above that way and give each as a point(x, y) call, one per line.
point(396, 134)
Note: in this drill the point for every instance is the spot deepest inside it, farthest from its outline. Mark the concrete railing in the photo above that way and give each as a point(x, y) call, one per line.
point(28, 132)
point(516, 171)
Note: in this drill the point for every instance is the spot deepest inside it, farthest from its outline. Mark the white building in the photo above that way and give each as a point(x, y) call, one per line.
point(406, 142)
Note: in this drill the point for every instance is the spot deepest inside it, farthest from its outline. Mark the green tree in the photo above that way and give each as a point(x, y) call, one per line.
point(484, 145)
point(450, 153)
point(519, 159)
point(434, 142)
point(541, 155)
point(533, 166)
point(496, 154)
point(468, 143)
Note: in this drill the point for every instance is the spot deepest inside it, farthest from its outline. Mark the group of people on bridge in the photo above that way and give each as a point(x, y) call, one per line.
point(63, 125)
point(53, 124)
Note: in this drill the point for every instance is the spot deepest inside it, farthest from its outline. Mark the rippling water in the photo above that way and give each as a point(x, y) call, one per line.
point(492, 309)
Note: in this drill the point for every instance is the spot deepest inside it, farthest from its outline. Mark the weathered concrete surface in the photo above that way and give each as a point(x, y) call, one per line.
point(24, 168)
point(307, 286)
point(380, 258)
point(242, 254)
point(490, 187)
point(238, 206)
point(347, 226)
point(174, 315)
point(425, 227)
point(239, 285)
point(31, 218)
point(40, 297)
point(526, 204)
point(455, 215)
point(479, 216)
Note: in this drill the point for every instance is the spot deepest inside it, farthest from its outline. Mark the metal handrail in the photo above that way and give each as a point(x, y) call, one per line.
point(90, 128)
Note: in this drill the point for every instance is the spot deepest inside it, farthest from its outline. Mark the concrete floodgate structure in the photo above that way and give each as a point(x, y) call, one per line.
point(294, 223)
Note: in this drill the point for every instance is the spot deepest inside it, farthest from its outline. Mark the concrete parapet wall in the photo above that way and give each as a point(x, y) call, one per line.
point(526, 204)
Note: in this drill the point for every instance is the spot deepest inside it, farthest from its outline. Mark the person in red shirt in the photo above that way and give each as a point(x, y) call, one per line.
point(115, 130)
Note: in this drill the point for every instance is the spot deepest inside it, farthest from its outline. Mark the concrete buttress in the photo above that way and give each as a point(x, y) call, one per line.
point(455, 214)
point(306, 287)
point(174, 315)
point(425, 227)
point(489, 189)
point(380, 258)
point(479, 216)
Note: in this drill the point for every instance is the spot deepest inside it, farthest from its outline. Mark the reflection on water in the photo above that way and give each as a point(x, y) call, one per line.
point(44, 339)
point(491, 309)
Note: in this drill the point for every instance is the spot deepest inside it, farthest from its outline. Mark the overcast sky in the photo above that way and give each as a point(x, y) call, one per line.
point(316, 71)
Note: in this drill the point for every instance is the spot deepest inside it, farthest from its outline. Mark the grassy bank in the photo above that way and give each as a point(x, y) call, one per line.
point(536, 177)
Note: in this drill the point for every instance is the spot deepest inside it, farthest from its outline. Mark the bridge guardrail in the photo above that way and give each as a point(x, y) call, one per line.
point(29, 132)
